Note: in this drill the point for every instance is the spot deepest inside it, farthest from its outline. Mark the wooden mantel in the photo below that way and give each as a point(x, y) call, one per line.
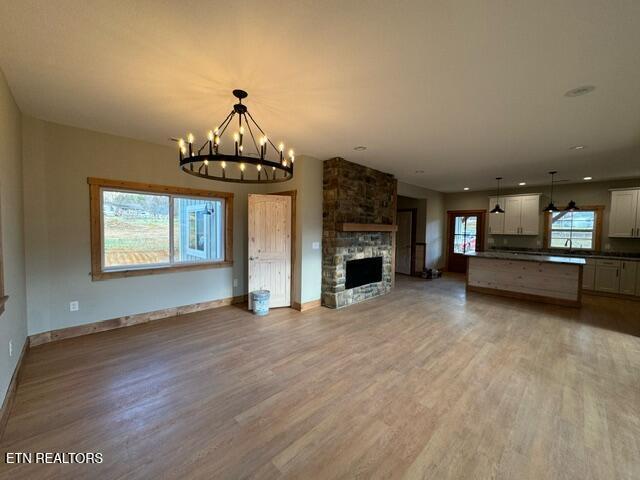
point(366, 227)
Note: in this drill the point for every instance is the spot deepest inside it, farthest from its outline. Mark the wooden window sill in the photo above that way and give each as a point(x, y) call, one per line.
point(137, 272)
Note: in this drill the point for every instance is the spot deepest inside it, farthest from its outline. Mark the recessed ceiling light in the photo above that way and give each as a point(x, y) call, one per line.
point(587, 178)
point(419, 172)
point(466, 188)
point(577, 147)
point(360, 148)
point(522, 184)
point(582, 90)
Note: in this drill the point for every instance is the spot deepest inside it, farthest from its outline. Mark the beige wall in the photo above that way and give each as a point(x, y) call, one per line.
point(13, 322)
point(420, 204)
point(57, 161)
point(586, 193)
point(434, 231)
point(307, 181)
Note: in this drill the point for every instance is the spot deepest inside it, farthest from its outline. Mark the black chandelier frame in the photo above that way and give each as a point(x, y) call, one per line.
point(207, 161)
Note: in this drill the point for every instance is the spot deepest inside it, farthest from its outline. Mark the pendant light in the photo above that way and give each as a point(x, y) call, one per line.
point(572, 207)
point(497, 208)
point(551, 207)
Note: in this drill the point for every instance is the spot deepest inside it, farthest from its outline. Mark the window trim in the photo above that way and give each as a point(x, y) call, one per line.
point(194, 251)
point(597, 237)
point(98, 272)
point(3, 297)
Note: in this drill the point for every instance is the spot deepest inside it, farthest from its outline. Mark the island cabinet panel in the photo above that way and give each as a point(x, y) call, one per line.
point(540, 281)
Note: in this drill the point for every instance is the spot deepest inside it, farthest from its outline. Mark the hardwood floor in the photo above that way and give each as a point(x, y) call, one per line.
point(422, 383)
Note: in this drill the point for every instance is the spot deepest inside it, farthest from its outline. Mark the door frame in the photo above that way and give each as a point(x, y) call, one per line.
point(294, 228)
point(414, 224)
point(481, 234)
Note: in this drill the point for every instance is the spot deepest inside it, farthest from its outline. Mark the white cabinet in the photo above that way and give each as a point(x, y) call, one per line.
point(624, 220)
point(607, 276)
point(496, 220)
point(589, 275)
point(521, 217)
point(628, 275)
point(530, 215)
point(638, 282)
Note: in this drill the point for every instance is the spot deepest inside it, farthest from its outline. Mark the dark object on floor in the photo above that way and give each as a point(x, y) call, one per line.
point(431, 273)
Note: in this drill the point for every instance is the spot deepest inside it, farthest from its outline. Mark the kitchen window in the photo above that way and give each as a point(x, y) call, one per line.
point(140, 229)
point(577, 230)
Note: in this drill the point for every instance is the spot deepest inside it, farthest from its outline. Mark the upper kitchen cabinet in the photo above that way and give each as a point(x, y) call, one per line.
point(521, 216)
point(624, 220)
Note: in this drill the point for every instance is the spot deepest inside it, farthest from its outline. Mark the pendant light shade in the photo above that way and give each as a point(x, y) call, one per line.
point(498, 208)
point(572, 207)
point(551, 207)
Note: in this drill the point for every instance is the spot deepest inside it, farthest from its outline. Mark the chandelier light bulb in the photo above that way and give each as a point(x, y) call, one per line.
point(242, 167)
point(259, 167)
point(241, 130)
point(236, 137)
point(190, 138)
point(281, 147)
point(181, 143)
point(240, 148)
point(210, 136)
point(183, 149)
point(291, 152)
point(223, 164)
point(206, 162)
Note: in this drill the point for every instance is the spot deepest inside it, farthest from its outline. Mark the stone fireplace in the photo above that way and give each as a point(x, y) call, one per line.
point(359, 205)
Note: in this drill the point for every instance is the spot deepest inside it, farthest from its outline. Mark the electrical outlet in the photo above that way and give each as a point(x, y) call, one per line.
point(235, 283)
point(11, 348)
point(315, 245)
point(74, 306)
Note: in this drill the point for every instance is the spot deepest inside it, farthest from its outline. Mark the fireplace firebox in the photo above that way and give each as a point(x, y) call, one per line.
point(363, 271)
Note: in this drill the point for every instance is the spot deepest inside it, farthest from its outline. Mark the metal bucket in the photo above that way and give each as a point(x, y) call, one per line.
point(260, 301)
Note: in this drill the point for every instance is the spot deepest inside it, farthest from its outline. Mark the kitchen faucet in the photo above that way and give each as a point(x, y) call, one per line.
point(570, 243)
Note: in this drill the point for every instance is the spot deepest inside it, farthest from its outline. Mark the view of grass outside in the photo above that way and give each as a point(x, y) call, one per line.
point(136, 229)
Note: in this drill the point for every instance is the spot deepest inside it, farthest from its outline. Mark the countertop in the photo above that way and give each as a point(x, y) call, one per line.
point(527, 257)
point(607, 256)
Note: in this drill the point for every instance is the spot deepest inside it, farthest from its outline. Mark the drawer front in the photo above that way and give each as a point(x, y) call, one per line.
point(609, 263)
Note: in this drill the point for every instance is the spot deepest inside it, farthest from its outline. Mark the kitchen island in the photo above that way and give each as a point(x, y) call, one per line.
point(540, 278)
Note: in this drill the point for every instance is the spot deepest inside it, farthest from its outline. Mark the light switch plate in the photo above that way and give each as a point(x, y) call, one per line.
point(315, 245)
point(74, 306)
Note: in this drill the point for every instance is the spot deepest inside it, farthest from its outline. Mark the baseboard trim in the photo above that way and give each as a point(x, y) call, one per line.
point(5, 410)
point(621, 296)
point(303, 307)
point(129, 320)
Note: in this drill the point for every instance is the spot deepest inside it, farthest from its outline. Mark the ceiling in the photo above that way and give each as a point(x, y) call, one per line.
point(462, 90)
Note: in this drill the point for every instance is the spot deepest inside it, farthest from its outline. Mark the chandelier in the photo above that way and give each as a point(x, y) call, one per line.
point(240, 166)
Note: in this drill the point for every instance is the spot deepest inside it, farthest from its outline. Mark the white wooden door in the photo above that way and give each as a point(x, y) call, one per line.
point(269, 228)
point(512, 211)
point(496, 220)
point(530, 215)
point(403, 243)
point(624, 211)
point(628, 278)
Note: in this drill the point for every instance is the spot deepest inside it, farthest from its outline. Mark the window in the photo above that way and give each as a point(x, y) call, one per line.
point(141, 229)
point(577, 230)
point(465, 234)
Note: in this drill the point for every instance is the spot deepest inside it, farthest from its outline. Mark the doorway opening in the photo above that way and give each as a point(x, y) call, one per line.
point(410, 249)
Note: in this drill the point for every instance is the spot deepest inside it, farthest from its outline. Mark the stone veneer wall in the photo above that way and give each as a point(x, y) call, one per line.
point(353, 193)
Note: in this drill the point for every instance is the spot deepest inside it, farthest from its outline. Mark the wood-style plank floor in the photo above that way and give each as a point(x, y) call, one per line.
point(425, 382)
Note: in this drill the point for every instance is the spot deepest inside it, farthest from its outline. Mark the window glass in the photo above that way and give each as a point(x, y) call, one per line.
point(198, 232)
point(573, 230)
point(135, 229)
